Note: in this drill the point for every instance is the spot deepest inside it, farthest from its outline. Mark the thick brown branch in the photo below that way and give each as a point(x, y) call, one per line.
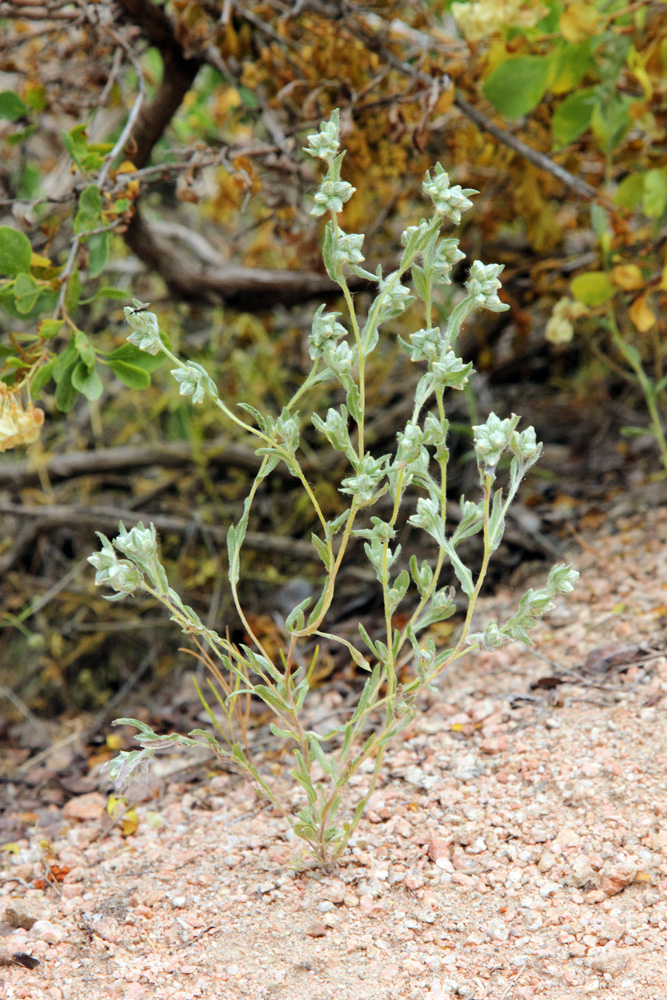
point(177, 78)
point(108, 517)
point(237, 287)
point(86, 463)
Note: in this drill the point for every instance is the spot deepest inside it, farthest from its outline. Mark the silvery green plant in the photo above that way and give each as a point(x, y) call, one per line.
point(324, 762)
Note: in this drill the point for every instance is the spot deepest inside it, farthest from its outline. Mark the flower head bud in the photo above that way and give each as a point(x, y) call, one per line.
point(448, 201)
point(483, 285)
point(492, 438)
point(446, 256)
point(331, 197)
point(325, 330)
point(426, 345)
point(395, 297)
point(409, 444)
point(146, 335)
point(451, 371)
point(339, 357)
point(119, 574)
point(347, 249)
point(194, 381)
point(525, 446)
point(325, 143)
point(363, 485)
point(138, 544)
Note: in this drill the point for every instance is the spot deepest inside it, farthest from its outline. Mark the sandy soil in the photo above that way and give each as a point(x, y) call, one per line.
point(516, 848)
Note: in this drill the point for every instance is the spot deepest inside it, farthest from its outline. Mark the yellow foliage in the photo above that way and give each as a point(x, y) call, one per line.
point(641, 314)
point(627, 276)
point(579, 21)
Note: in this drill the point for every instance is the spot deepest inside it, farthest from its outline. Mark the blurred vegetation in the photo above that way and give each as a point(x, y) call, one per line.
point(153, 150)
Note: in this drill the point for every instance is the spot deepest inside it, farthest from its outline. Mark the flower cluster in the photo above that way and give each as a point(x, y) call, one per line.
point(325, 143)
point(448, 201)
point(325, 330)
point(483, 18)
point(331, 197)
point(18, 425)
point(560, 325)
point(146, 333)
point(483, 285)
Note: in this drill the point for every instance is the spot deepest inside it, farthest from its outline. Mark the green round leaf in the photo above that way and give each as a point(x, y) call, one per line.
point(593, 289)
point(130, 375)
point(573, 116)
point(87, 382)
point(15, 251)
point(630, 191)
point(11, 106)
point(654, 200)
point(98, 249)
point(518, 85)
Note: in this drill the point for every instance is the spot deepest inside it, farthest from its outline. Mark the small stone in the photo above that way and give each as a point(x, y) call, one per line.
point(608, 961)
point(438, 848)
point(414, 880)
point(45, 930)
point(466, 834)
point(413, 967)
point(547, 861)
point(497, 930)
point(24, 913)
point(85, 807)
point(616, 877)
point(494, 744)
point(316, 930)
point(566, 838)
point(581, 871)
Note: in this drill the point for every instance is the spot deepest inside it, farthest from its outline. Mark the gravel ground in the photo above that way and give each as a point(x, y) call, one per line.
point(516, 848)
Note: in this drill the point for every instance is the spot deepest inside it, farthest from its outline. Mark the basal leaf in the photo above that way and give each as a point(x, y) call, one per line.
point(518, 85)
point(15, 252)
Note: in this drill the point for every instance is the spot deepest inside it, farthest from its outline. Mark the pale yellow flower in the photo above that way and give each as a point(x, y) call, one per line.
point(18, 425)
point(560, 325)
point(484, 18)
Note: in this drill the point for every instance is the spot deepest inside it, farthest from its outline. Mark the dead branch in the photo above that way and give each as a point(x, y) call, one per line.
point(57, 515)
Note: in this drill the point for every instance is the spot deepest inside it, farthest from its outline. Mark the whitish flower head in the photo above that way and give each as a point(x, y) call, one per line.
point(363, 485)
point(194, 381)
point(331, 197)
point(325, 143)
point(560, 325)
point(426, 345)
point(146, 333)
point(492, 438)
point(483, 18)
point(325, 330)
point(448, 201)
point(348, 249)
point(447, 255)
point(483, 285)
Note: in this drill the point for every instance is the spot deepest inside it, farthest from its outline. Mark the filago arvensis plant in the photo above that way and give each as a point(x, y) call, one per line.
point(324, 762)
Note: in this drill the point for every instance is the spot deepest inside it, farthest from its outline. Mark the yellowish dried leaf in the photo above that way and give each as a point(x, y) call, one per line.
point(627, 276)
point(578, 22)
point(641, 313)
